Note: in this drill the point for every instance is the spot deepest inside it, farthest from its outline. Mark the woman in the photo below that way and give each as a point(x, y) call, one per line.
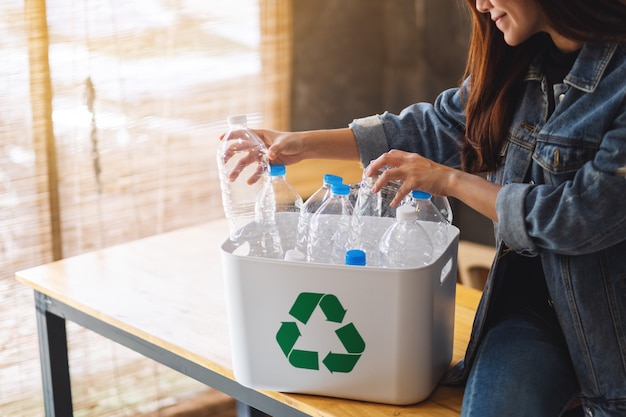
point(539, 130)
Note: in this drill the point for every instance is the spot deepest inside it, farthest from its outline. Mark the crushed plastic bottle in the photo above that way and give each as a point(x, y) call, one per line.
point(376, 204)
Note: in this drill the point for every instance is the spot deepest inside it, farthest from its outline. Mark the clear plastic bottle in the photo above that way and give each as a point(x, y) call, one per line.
point(443, 204)
point(329, 227)
point(365, 235)
point(434, 221)
point(278, 188)
point(405, 244)
point(376, 204)
point(355, 257)
point(263, 237)
point(370, 208)
point(294, 255)
point(278, 205)
point(243, 168)
point(310, 206)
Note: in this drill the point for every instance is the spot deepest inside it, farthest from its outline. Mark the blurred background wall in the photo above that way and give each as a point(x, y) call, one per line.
point(355, 58)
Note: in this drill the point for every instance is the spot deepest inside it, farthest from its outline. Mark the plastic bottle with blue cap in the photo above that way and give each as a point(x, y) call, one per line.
point(434, 221)
point(310, 206)
point(281, 200)
point(329, 227)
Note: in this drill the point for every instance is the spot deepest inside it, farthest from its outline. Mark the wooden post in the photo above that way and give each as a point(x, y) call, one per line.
point(41, 108)
point(276, 57)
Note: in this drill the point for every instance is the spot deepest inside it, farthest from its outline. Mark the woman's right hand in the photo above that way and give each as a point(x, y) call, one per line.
point(283, 147)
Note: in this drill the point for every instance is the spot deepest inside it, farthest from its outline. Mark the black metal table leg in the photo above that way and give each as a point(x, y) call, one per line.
point(244, 410)
point(54, 360)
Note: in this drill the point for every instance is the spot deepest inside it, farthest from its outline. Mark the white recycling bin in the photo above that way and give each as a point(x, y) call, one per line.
point(373, 334)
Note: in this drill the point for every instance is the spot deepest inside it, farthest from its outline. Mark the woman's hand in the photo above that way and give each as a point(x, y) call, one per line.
point(419, 173)
point(415, 172)
point(283, 147)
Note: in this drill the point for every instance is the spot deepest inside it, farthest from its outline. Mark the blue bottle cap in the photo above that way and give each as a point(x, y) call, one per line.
point(420, 195)
point(341, 189)
point(332, 179)
point(355, 257)
point(277, 170)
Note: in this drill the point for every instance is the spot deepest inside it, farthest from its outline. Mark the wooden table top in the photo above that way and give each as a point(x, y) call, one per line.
point(168, 289)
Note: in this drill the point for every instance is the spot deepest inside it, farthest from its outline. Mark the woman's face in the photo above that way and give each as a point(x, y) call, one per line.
point(518, 20)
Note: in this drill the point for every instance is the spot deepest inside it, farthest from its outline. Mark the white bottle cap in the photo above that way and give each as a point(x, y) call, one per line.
point(294, 255)
point(406, 213)
point(237, 119)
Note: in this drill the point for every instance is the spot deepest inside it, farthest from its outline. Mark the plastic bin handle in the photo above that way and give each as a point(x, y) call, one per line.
point(243, 236)
point(446, 271)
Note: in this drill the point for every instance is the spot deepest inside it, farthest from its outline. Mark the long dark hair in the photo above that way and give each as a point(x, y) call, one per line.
point(497, 69)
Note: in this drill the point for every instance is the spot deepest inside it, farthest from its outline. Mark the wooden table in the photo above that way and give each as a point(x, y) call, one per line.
point(163, 297)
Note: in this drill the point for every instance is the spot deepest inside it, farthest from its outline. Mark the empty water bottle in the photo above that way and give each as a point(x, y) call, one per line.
point(310, 206)
point(369, 211)
point(285, 195)
point(278, 197)
point(405, 244)
point(433, 220)
point(443, 204)
point(365, 234)
point(243, 167)
point(294, 255)
point(329, 227)
point(263, 235)
point(377, 204)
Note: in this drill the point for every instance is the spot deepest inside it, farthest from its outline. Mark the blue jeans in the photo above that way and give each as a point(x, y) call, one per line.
point(522, 368)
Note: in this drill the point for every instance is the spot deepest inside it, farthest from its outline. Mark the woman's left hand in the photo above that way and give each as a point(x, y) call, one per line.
point(415, 172)
point(419, 173)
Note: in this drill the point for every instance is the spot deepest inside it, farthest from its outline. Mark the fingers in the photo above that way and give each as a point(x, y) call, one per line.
point(411, 169)
point(260, 171)
point(252, 157)
point(287, 149)
point(385, 166)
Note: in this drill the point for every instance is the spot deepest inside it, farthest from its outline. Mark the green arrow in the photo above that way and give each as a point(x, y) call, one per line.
point(287, 336)
point(304, 306)
point(304, 359)
point(340, 362)
point(332, 308)
point(350, 338)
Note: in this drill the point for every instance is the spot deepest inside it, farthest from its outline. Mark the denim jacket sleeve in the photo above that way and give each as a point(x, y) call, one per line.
point(432, 130)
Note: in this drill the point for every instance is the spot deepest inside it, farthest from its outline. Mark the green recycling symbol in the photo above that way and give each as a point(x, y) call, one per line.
point(302, 309)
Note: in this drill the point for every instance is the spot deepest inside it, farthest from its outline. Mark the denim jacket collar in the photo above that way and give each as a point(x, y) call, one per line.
point(588, 68)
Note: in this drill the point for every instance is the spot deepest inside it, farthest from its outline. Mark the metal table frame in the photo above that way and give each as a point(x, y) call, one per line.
point(53, 349)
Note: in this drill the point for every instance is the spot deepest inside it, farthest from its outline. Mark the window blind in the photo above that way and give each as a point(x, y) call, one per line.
point(110, 115)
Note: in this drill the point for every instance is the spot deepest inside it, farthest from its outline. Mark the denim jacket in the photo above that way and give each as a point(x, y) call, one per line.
point(572, 214)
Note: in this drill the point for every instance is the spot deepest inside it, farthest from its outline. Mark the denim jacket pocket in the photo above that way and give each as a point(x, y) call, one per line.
point(561, 157)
